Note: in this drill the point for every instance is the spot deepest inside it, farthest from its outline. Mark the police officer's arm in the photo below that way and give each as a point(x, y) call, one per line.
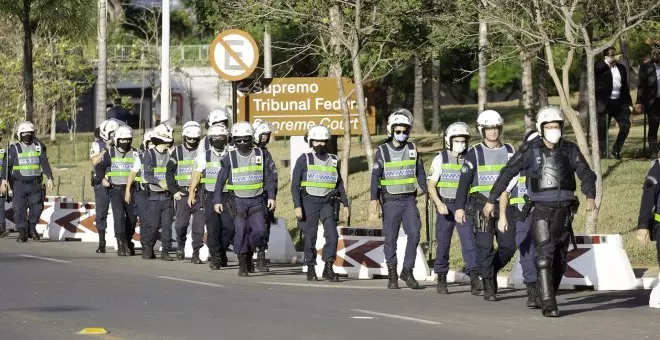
point(6, 162)
point(170, 173)
point(421, 176)
point(198, 169)
point(649, 195)
point(467, 175)
point(343, 198)
point(45, 166)
point(223, 175)
point(137, 165)
point(96, 154)
point(299, 168)
point(510, 171)
point(376, 174)
point(270, 180)
point(274, 167)
point(583, 171)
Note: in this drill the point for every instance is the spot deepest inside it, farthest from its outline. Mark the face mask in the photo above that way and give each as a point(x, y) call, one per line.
point(27, 138)
point(193, 145)
point(124, 146)
point(244, 148)
point(402, 137)
point(458, 147)
point(218, 144)
point(320, 149)
point(552, 136)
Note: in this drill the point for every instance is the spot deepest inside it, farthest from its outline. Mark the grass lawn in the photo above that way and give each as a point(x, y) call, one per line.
point(619, 211)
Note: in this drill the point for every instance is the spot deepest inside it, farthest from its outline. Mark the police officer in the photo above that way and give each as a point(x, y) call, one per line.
point(249, 175)
point(262, 133)
point(550, 163)
point(136, 194)
point(117, 164)
point(179, 171)
point(479, 171)
point(216, 117)
point(161, 208)
point(648, 225)
point(219, 227)
point(3, 196)
point(316, 189)
point(444, 176)
point(105, 140)
point(395, 171)
point(517, 199)
point(26, 164)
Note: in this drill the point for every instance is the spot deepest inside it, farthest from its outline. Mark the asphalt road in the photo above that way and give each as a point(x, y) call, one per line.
point(52, 290)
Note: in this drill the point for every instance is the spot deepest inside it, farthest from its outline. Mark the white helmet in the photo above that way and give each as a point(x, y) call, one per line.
point(242, 129)
point(549, 114)
point(260, 129)
point(108, 127)
point(489, 119)
point(399, 117)
point(192, 129)
point(24, 127)
point(318, 132)
point(163, 132)
point(217, 130)
point(455, 130)
point(123, 132)
point(216, 116)
point(147, 137)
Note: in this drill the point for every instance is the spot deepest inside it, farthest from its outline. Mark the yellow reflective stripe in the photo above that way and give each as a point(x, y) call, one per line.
point(244, 186)
point(399, 163)
point(209, 180)
point(517, 200)
point(317, 185)
point(212, 164)
point(657, 217)
point(181, 177)
point(122, 160)
point(522, 179)
point(397, 181)
point(447, 185)
point(494, 167)
point(247, 168)
point(27, 167)
point(481, 188)
point(322, 168)
point(160, 170)
point(451, 166)
point(29, 154)
point(118, 173)
point(186, 162)
point(139, 179)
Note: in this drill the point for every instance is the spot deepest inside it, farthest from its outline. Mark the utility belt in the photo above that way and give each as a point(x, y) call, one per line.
point(448, 200)
point(385, 196)
point(159, 193)
point(549, 209)
point(36, 180)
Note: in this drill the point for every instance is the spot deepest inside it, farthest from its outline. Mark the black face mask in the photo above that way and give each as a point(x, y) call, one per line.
point(244, 147)
point(124, 145)
point(27, 138)
point(218, 144)
point(320, 149)
point(193, 144)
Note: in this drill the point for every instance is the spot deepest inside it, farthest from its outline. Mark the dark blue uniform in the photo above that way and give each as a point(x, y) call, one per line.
point(161, 206)
point(26, 164)
point(140, 203)
point(101, 194)
point(649, 211)
point(270, 215)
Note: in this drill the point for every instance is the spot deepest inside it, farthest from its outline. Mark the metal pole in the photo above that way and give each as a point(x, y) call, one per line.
point(165, 65)
point(268, 60)
point(102, 64)
point(234, 100)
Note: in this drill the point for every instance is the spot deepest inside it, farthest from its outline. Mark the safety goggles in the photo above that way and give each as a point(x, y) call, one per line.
point(242, 141)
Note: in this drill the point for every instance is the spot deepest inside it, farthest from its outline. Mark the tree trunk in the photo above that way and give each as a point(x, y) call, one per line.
point(542, 68)
point(625, 56)
point(482, 91)
point(102, 66)
point(28, 73)
point(53, 123)
point(418, 101)
point(583, 99)
point(527, 90)
point(592, 217)
point(361, 103)
point(435, 89)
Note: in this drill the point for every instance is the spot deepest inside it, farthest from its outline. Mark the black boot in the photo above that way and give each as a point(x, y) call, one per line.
point(147, 251)
point(489, 290)
point(242, 265)
point(249, 262)
point(3, 229)
point(311, 273)
point(262, 267)
point(329, 272)
point(165, 255)
point(195, 257)
point(22, 235)
point(475, 283)
point(545, 285)
point(121, 246)
point(442, 284)
point(407, 276)
point(214, 262)
point(34, 233)
point(392, 277)
point(151, 245)
point(532, 296)
point(130, 248)
point(223, 258)
point(180, 254)
point(101, 248)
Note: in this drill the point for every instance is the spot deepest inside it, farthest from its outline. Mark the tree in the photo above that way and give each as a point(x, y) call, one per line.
point(70, 18)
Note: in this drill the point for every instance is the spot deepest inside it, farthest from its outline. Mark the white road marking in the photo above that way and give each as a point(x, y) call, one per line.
point(399, 317)
point(189, 281)
point(363, 317)
point(45, 258)
point(314, 285)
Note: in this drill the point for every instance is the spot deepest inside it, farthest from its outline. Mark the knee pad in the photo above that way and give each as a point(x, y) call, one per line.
point(543, 262)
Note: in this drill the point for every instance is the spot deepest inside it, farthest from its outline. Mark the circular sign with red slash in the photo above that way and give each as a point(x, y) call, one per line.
point(234, 54)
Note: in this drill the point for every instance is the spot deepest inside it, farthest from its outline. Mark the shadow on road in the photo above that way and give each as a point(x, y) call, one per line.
point(51, 309)
point(607, 301)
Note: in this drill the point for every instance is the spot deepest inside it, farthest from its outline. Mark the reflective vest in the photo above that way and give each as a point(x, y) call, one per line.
point(213, 165)
point(657, 209)
point(450, 176)
point(140, 175)
point(247, 174)
point(159, 166)
point(399, 169)
point(489, 164)
point(121, 165)
point(518, 192)
point(29, 164)
point(322, 175)
point(185, 160)
point(2, 159)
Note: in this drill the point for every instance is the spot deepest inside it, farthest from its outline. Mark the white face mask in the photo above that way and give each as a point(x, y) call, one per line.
point(552, 135)
point(458, 147)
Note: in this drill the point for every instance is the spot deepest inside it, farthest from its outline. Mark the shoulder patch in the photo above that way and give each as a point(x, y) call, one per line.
point(135, 154)
point(376, 165)
point(38, 147)
point(334, 162)
point(258, 159)
point(2, 150)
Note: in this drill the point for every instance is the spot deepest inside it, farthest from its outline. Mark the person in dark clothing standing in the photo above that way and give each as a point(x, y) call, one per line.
point(550, 164)
point(612, 100)
point(648, 225)
point(648, 97)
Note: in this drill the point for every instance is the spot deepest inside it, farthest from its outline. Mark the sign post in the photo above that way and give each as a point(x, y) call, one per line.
point(234, 55)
